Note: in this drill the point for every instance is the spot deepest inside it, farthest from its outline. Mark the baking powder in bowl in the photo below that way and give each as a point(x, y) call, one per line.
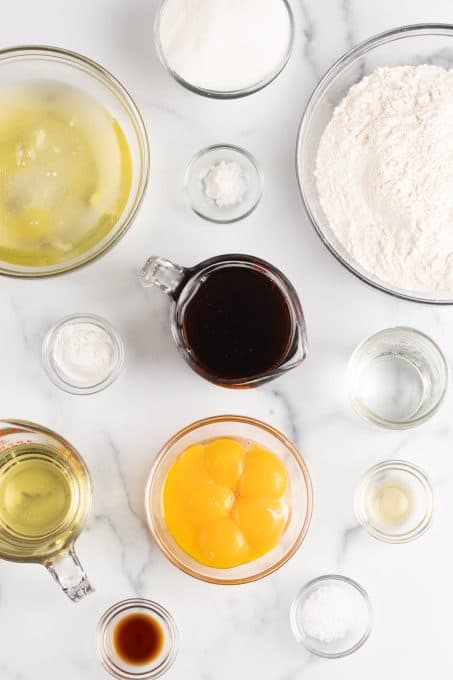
point(225, 45)
point(385, 175)
point(225, 183)
point(84, 353)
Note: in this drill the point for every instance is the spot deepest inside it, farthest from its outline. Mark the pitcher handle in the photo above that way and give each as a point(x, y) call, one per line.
point(160, 272)
point(70, 575)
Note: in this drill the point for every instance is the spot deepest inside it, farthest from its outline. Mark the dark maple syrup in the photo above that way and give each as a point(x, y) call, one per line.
point(138, 639)
point(238, 323)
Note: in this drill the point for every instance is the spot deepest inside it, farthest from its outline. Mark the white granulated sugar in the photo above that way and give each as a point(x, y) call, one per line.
point(84, 352)
point(225, 184)
point(385, 176)
point(331, 612)
point(224, 45)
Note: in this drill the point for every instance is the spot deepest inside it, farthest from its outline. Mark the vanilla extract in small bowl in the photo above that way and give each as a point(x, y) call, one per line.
point(137, 639)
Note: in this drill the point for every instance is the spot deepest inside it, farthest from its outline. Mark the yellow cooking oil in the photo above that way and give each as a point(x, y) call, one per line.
point(65, 173)
point(40, 502)
point(392, 502)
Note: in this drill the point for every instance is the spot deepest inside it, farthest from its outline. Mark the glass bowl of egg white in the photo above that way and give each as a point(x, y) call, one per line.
point(74, 160)
point(229, 500)
point(222, 49)
point(394, 501)
point(372, 180)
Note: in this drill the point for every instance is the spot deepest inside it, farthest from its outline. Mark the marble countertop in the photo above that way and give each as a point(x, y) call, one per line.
point(238, 632)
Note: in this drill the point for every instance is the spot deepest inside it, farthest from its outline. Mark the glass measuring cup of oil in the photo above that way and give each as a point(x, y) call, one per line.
point(45, 495)
point(236, 320)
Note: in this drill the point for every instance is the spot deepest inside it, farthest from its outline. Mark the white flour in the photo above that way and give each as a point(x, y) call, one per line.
point(224, 45)
point(385, 176)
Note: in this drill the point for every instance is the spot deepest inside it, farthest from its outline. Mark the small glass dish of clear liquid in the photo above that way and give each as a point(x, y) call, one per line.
point(397, 378)
point(394, 501)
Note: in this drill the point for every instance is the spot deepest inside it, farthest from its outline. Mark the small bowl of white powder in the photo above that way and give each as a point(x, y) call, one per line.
point(223, 183)
point(224, 48)
point(82, 354)
point(332, 616)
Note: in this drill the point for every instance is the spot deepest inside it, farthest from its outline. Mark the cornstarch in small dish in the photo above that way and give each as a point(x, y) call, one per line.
point(84, 352)
point(225, 183)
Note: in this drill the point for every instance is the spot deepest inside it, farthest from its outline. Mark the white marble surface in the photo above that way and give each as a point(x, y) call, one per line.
point(239, 632)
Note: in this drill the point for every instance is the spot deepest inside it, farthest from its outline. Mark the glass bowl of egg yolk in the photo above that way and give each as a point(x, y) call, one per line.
point(229, 500)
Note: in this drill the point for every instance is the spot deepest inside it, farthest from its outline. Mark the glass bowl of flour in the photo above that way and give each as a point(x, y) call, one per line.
point(374, 162)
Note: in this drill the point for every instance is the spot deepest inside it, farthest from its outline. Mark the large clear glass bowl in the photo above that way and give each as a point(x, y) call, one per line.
point(25, 64)
point(405, 46)
point(301, 497)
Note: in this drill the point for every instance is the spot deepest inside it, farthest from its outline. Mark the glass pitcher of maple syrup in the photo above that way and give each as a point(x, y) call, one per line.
point(45, 496)
point(236, 319)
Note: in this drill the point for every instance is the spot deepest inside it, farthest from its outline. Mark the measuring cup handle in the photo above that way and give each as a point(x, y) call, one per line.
point(70, 575)
point(157, 271)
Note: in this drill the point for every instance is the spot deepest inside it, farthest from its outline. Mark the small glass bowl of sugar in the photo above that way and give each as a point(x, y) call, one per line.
point(332, 616)
point(223, 183)
point(82, 354)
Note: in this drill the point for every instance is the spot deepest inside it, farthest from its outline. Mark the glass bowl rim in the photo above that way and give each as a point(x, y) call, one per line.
point(407, 467)
point(106, 79)
point(297, 457)
point(224, 94)
point(360, 50)
point(67, 386)
point(301, 638)
point(241, 152)
point(148, 606)
point(368, 415)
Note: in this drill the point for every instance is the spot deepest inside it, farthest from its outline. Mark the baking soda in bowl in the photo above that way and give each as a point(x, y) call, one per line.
point(225, 46)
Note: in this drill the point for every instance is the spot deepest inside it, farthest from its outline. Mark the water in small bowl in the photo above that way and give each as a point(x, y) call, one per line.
point(397, 378)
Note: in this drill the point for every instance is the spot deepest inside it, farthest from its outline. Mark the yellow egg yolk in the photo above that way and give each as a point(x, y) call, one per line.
point(226, 503)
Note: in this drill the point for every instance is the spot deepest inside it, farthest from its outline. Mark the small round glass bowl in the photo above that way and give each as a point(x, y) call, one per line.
point(105, 646)
point(63, 381)
point(39, 63)
point(355, 637)
point(225, 94)
point(199, 167)
point(407, 45)
point(409, 477)
point(397, 378)
point(301, 497)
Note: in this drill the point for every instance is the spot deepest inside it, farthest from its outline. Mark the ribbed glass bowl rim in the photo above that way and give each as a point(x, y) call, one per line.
point(297, 458)
point(249, 157)
point(146, 606)
point(108, 80)
point(371, 417)
point(319, 580)
point(227, 94)
point(344, 61)
point(410, 468)
point(67, 386)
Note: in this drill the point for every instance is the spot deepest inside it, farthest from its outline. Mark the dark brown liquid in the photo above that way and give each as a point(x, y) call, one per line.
point(138, 639)
point(238, 324)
